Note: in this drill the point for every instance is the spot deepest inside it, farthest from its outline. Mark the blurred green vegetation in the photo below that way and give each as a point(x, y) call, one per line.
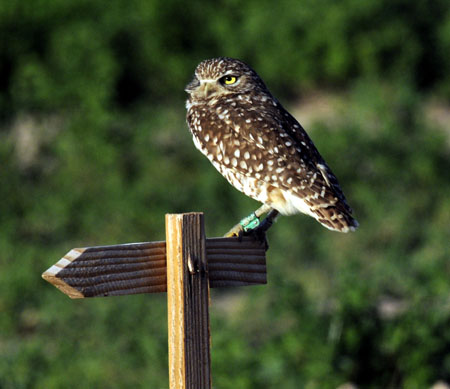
point(94, 150)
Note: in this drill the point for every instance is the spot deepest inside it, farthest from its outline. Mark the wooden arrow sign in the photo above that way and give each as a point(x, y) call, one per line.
point(141, 267)
point(186, 267)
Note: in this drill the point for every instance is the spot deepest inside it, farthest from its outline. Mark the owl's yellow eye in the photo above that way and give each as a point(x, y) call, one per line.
point(229, 80)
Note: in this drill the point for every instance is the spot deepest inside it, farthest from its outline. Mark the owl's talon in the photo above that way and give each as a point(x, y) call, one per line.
point(252, 225)
point(236, 231)
point(246, 224)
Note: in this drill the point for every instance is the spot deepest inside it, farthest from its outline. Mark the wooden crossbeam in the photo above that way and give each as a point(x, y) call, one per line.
point(141, 267)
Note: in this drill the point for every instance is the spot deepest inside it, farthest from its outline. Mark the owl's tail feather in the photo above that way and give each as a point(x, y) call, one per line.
point(335, 219)
point(332, 214)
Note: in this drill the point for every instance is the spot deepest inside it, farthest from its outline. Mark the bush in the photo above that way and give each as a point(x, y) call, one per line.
point(94, 150)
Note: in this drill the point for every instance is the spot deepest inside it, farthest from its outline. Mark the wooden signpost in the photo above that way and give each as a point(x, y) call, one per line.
point(185, 266)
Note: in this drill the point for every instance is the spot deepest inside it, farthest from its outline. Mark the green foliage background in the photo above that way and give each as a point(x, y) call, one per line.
point(94, 150)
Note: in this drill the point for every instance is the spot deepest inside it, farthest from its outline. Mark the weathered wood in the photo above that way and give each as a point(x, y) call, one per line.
point(186, 267)
point(187, 301)
point(141, 267)
point(235, 262)
point(111, 270)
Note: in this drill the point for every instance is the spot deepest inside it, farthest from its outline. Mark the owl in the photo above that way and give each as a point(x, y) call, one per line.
point(259, 147)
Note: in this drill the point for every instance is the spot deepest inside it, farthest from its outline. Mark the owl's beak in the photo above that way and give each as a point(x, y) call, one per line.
point(193, 85)
point(207, 88)
point(201, 89)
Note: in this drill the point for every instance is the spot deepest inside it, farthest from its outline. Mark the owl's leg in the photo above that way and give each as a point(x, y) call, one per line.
point(260, 232)
point(267, 222)
point(250, 222)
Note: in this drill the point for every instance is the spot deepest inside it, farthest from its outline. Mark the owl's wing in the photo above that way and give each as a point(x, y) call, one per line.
point(279, 152)
point(299, 135)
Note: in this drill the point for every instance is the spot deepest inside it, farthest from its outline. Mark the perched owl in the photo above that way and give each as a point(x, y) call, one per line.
point(259, 147)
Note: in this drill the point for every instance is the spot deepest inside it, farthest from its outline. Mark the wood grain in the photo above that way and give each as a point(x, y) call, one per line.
point(186, 267)
point(235, 262)
point(111, 270)
point(187, 302)
point(141, 267)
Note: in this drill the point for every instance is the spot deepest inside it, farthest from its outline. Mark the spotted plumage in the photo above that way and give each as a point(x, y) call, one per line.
point(259, 147)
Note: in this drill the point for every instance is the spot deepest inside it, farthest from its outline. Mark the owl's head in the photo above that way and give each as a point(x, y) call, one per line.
point(223, 76)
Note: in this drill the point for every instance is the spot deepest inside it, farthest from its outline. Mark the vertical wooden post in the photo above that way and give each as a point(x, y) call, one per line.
point(187, 299)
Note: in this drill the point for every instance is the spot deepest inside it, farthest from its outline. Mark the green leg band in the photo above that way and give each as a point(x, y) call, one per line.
point(250, 222)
